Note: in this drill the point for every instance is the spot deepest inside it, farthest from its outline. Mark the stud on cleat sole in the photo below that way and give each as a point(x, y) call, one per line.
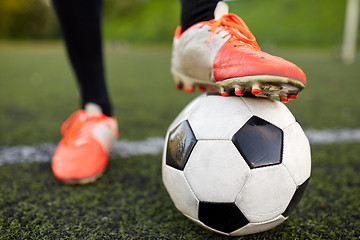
point(224, 94)
point(256, 89)
point(179, 86)
point(260, 86)
point(292, 97)
point(189, 89)
point(284, 100)
point(238, 92)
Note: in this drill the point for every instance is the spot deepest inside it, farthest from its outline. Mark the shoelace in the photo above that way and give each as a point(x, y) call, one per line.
point(74, 127)
point(236, 28)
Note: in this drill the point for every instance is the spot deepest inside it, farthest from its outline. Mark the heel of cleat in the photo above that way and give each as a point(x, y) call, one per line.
point(178, 83)
point(189, 84)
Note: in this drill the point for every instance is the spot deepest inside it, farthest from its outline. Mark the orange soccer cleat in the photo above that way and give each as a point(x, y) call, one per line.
point(223, 54)
point(82, 154)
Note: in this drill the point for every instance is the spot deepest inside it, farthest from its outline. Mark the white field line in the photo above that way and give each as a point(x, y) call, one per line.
point(43, 152)
point(154, 145)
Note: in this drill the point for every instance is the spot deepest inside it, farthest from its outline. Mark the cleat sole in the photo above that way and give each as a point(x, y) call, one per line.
point(83, 180)
point(265, 86)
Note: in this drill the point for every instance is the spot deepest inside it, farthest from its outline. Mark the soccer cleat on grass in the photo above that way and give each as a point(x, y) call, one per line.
point(223, 54)
point(82, 154)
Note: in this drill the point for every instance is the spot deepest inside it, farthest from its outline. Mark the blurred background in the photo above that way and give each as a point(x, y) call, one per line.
point(278, 22)
point(38, 84)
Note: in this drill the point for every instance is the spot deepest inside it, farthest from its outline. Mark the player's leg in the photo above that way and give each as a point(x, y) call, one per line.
point(89, 133)
point(195, 11)
point(222, 54)
point(80, 23)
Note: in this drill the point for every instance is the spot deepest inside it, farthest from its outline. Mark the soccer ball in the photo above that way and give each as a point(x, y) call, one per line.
point(236, 165)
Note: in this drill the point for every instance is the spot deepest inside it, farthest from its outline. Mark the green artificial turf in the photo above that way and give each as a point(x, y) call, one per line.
point(130, 202)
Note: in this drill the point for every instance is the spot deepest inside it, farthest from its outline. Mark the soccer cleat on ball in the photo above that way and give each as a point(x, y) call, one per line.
point(223, 55)
point(82, 154)
point(236, 165)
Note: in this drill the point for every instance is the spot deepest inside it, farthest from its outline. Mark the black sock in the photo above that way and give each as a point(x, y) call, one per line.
point(80, 22)
point(194, 11)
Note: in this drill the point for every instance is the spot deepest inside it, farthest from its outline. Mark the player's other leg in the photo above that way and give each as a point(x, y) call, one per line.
point(88, 134)
point(217, 51)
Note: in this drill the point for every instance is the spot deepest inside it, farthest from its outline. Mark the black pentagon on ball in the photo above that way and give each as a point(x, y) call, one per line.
point(259, 142)
point(225, 217)
point(180, 144)
point(296, 198)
